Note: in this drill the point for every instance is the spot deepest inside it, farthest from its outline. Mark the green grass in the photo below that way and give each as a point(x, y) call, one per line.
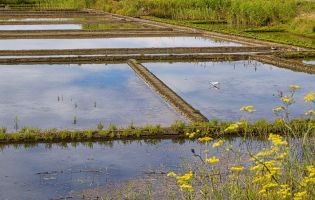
point(278, 34)
point(215, 128)
point(288, 22)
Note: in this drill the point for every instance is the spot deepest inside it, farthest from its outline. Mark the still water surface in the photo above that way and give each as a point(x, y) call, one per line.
point(77, 97)
point(240, 83)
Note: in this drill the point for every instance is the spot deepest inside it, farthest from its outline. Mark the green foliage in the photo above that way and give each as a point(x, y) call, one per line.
point(100, 126)
point(179, 129)
point(178, 126)
point(255, 12)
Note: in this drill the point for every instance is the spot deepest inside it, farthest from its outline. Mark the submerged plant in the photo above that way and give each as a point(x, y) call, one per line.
point(100, 126)
point(75, 120)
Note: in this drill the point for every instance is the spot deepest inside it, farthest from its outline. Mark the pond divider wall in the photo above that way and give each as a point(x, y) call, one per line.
point(53, 22)
point(284, 63)
point(91, 34)
point(168, 94)
point(122, 51)
point(123, 59)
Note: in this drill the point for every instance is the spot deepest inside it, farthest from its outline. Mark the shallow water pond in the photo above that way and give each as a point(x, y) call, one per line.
point(240, 83)
point(106, 26)
point(128, 42)
point(35, 19)
point(39, 172)
point(78, 96)
point(41, 27)
point(309, 62)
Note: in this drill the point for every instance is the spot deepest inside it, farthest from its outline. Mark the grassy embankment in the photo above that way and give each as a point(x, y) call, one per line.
point(177, 130)
point(288, 22)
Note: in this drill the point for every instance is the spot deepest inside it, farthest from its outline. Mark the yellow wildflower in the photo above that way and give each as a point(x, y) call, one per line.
point(232, 127)
point(186, 177)
point(311, 169)
point(237, 169)
point(277, 139)
point(262, 191)
point(310, 179)
point(218, 144)
point(213, 160)
point(264, 154)
point(278, 109)
point(191, 135)
point(281, 155)
point(310, 112)
point(205, 139)
point(187, 187)
point(284, 191)
point(300, 195)
point(171, 174)
point(309, 97)
point(270, 185)
point(249, 109)
point(295, 87)
point(287, 99)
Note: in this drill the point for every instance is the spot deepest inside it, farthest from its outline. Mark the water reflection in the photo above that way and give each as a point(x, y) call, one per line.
point(41, 27)
point(40, 172)
point(78, 96)
point(239, 83)
point(309, 62)
point(130, 42)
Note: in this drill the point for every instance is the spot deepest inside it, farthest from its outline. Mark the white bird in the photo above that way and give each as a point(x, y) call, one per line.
point(215, 84)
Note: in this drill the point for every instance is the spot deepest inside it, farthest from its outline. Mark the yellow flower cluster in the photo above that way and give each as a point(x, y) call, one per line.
point(278, 109)
point(310, 112)
point(300, 195)
point(307, 182)
point(269, 167)
point(183, 181)
point(277, 140)
point(310, 97)
point(284, 191)
point(191, 135)
point(213, 160)
point(233, 127)
point(287, 100)
point(295, 87)
point(218, 144)
point(237, 169)
point(310, 179)
point(205, 139)
point(249, 109)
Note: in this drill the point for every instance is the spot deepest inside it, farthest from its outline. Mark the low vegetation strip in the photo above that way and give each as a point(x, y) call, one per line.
point(213, 128)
